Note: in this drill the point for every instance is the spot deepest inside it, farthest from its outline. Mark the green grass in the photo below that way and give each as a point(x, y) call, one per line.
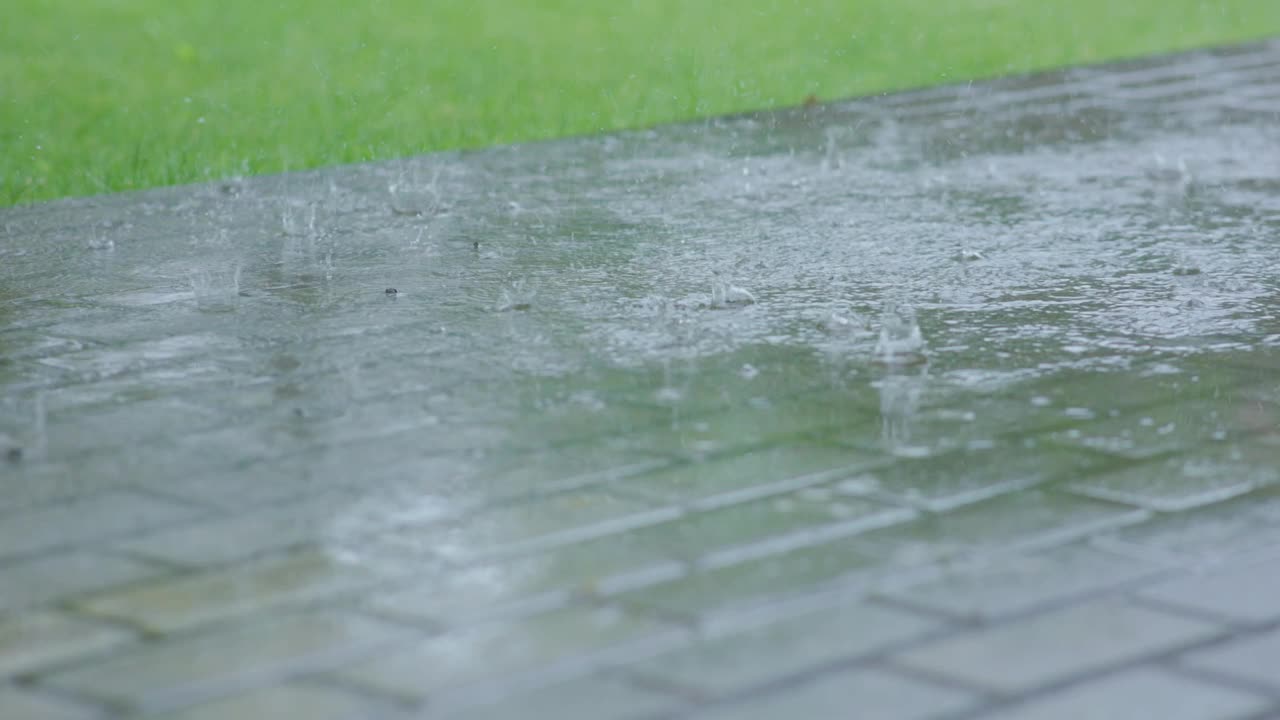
point(106, 95)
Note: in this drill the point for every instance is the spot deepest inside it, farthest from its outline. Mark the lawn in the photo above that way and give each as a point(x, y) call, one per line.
point(106, 95)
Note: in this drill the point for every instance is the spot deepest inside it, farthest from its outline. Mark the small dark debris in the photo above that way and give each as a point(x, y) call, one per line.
point(811, 100)
point(391, 291)
point(297, 412)
point(475, 245)
point(13, 454)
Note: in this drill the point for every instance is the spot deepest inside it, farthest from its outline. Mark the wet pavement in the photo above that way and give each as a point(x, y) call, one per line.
point(958, 403)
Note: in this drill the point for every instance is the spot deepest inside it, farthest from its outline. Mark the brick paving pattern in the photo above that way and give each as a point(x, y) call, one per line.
point(556, 475)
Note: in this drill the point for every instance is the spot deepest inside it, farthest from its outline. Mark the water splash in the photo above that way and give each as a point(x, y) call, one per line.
point(519, 295)
point(901, 342)
point(299, 224)
point(1184, 264)
point(831, 157)
point(415, 198)
point(27, 436)
point(216, 289)
point(100, 241)
point(846, 323)
point(900, 395)
point(724, 292)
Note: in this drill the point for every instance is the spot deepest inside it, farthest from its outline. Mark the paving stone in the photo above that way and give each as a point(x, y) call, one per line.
point(425, 528)
point(551, 471)
point(159, 677)
point(593, 418)
point(943, 483)
point(103, 362)
point(1108, 394)
point(1185, 481)
point(181, 602)
point(1252, 658)
point(775, 469)
point(914, 426)
point(757, 582)
point(754, 422)
point(499, 650)
point(26, 706)
point(989, 588)
point(1027, 520)
point(285, 702)
point(802, 517)
point(589, 698)
point(737, 376)
point(33, 640)
point(1241, 526)
point(1156, 431)
point(1085, 638)
point(737, 657)
point(451, 595)
point(243, 535)
point(31, 583)
point(86, 520)
point(1142, 694)
point(1247, 592)
point(544, 522)
point(296, 479)
point(852, 693)
point(96, 428)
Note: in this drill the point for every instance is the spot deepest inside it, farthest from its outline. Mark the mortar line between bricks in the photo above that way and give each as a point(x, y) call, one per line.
point(333, 679)
point(1062, 602)
point(1226, 636)
point(1191, 613)
point(92, 706)
point(137, 632)
point(955, 628)
point(72, 501)
point(1271, 713)
point(173, 497)
point(613, 658)
point(95, 546)
point(170, 700)
point(1225, 679)
point(876, 659)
